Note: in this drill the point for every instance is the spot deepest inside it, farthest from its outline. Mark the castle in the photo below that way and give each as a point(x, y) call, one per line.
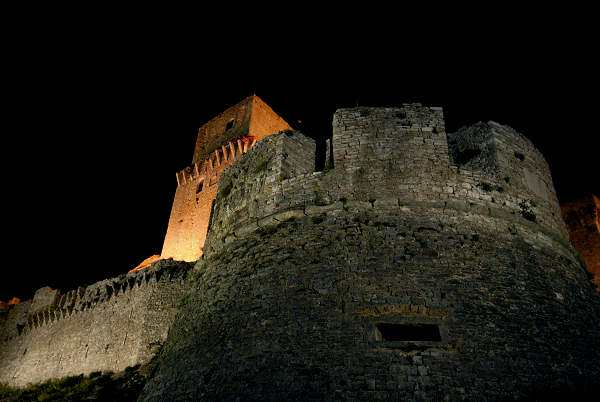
point(582, 218)
point(418, 264)
point(120, 322)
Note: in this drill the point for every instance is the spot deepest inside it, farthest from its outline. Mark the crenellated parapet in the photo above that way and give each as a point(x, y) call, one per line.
point(196, 190)
point(108, 325)
point(396, 157)
point(220, 142)
point(418, 265)
point(88, 298)
point(217, 161)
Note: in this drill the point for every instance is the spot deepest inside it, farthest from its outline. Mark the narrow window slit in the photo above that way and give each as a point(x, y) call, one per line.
point(407, 332)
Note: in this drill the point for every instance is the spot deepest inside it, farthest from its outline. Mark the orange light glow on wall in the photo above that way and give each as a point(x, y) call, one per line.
point(217, 147)
point(146, 263)
point(12, 301)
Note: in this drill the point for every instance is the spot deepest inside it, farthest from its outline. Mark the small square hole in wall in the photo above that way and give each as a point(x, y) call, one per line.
point(229, 124)
point(407, 332)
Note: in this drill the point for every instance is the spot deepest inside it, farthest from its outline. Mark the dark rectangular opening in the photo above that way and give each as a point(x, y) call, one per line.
point(407, 332)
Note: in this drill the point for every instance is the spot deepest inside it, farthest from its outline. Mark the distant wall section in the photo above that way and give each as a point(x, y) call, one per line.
point(109, 325)
point(408, 153)
point(583, 222)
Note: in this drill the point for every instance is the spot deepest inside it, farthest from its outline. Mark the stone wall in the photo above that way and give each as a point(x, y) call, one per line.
point(214, 133)
point(583, 222)
point(409, 163)
point(251, 117)
point(109, 325)
point(408, 271)
point(505, 168)
point(196, 189)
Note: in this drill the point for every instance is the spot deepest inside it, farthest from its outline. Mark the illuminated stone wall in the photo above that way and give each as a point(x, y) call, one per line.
point(583, 222)
point(419, 265)
point(109, 325)
point(250, 117)
point(214, 133)
point(121, 322)
point(264, 121)
point(216, 149)
point(459, 234)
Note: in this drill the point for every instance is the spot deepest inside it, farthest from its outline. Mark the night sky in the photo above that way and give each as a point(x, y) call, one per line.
point(96, 128)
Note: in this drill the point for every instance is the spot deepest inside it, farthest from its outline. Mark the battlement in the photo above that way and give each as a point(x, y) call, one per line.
point(216, 161)
point(50, 305)
point(364, 135)
point(397, 157)
point(108, 325)
point(220, 142)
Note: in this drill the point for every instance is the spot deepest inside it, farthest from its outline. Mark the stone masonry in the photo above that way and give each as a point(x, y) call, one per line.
point(418, 265)
point(108, 325)
point(220, 142)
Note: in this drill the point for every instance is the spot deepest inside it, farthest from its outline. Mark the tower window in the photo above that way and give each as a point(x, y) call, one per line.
point(229, 124)
point(200, 186)
point(407, 332)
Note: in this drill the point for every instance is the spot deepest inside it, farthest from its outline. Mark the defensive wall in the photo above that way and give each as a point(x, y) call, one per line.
point(122, 321)
point(220, 142)
point(107, 326)
point(417, 265)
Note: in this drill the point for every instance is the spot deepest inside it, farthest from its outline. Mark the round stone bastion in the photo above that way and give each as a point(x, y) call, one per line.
point(417, 265)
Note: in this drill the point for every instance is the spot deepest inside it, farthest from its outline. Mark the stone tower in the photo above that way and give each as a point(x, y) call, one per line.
point(220, 142)
point(419, 265)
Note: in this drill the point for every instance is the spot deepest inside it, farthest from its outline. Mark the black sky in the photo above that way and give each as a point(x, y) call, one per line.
point(96, 125)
